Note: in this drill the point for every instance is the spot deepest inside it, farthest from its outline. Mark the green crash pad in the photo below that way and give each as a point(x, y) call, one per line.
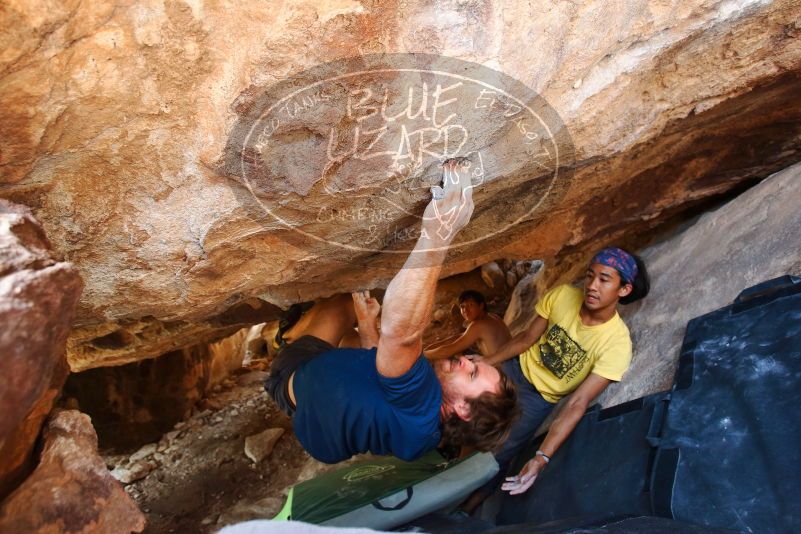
point(385, 491)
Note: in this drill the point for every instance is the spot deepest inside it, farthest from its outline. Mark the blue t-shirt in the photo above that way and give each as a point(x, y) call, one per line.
point(345, 407)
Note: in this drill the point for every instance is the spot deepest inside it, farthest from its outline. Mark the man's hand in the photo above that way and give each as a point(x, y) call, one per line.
point(452, 204)
point(367, 308)
point(563, 424)
point(525, 479)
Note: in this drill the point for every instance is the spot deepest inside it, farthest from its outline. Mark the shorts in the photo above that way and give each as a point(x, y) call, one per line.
point(288, 360)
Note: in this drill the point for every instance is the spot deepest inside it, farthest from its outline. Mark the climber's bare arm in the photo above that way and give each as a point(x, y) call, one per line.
point(443, 342)
point(367, 309)
point(457, 346)
point(519, 343)
point(563, 424)
point(409, 297)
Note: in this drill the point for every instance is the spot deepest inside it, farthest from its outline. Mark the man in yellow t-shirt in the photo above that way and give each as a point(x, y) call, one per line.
point(578, 345)
point(569, 350)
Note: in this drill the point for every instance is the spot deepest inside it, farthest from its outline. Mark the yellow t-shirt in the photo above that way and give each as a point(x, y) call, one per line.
point(568, 351)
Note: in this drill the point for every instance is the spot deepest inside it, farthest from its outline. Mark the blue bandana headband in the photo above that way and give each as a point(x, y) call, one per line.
point(620, 260)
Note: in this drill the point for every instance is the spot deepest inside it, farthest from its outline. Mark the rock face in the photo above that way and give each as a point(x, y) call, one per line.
point(38, 296)
point(131, 341)
point(520, 311)
point(71, 490)
point(751, 239)
point(120, 127)
point(231, 353)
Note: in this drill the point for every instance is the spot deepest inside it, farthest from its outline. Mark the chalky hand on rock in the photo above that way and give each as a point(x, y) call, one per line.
point(452, 203)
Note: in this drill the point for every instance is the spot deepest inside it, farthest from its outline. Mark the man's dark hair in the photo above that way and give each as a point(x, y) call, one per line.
point(491, 418)
point(475, 296)
point(641, 284)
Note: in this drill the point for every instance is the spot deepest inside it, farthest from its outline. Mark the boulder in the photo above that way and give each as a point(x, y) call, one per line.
point(520, 311)
point(260, 446)
point(71, 490)
point(136, 470)
point(119, 343)
point(144, 452)
point(38, 296)
point(753, 238)
point(492, 274)
point(228, 355)
point(127, 129)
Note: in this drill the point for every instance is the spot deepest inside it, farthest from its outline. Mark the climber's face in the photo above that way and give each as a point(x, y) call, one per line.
point(470, 309)
point(464, 378)
point(603, 287)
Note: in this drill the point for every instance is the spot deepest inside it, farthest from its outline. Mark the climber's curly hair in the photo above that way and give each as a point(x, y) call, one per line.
point(491, 418)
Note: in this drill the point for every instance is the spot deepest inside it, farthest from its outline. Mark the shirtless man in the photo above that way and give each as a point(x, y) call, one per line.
point(485, 330)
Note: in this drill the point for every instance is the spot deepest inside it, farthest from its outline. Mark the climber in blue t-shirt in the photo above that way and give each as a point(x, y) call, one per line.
point(385, 397)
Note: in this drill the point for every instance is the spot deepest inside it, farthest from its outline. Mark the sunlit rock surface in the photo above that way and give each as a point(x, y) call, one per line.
point(71, 490)
point(38, 296)
point(520, 312)
point(116, 120)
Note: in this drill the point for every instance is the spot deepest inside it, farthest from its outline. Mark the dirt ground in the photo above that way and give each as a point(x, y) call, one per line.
point(197, 478)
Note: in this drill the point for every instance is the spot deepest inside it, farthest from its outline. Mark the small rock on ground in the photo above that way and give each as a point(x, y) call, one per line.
point(144, 452)
point(259, 446)
point(133, 472)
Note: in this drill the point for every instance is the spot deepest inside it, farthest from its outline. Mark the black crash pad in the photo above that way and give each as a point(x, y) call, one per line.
point(617, 525)
point(441, 523)
point(602, 468)
point(730, 452)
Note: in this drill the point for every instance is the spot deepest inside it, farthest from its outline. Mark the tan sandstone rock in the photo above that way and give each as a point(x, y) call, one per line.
point(492, 274)
point(120, 125)
point(37, 302)
point(520, 312)
point(71, 490)
point(134, 471)
point(259, 446)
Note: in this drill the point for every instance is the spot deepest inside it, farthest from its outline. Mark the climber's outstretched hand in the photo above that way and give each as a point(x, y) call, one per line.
point(451, 207)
